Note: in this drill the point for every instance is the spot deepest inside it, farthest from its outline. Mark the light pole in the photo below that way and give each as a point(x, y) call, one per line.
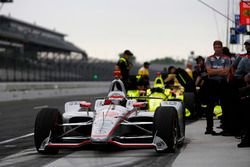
point(227, 41)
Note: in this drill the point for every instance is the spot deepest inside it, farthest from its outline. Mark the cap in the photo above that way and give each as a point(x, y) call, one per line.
point(247, 42)
point(146, 63)
point(127, 52)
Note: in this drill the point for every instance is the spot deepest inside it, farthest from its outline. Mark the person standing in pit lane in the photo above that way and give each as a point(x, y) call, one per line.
point(227, 52)
point(243, 73)
point(217, 66)
point(243, 69)
point(164, 73)
point(238, 57)
point(239, 80)
point(171, 79)
point(200, 79)
point(124, 66)
point(143, 74)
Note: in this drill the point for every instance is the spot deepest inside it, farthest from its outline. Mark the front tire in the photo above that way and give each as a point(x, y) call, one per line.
point(47, 124)
point(165, 126)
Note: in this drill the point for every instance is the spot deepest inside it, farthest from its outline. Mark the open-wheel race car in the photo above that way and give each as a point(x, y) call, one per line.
point(115, 120)
point(159, 92)
point(173, 93)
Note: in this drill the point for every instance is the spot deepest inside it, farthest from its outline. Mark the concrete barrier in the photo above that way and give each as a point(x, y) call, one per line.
point(30, 90)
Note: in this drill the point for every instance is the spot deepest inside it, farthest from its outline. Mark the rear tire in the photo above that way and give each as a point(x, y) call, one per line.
point(47, 121)
point(165, 126)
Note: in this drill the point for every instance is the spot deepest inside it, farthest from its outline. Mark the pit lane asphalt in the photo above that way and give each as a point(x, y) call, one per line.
point(17, 119)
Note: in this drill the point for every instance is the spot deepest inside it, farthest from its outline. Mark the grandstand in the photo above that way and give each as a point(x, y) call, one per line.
point(33, 53)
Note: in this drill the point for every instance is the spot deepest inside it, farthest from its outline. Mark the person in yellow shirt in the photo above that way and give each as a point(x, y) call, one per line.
point(143, 74)
point(188, 69)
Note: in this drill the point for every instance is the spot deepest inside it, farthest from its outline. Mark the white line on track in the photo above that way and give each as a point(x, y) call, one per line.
point(40, 107)
point(16, 138)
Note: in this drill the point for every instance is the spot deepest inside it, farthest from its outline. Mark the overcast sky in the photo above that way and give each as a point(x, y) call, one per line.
point(149, 28)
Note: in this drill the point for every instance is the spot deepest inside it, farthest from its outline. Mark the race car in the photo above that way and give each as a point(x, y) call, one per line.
point(115, 120)
point(174, 93)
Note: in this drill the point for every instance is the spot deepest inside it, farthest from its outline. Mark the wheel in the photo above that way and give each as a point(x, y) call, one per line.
point(189, 103)
point(165, 126)
point(47, 124)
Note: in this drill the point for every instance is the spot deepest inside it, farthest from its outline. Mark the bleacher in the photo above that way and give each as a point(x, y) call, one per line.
point(29, 52)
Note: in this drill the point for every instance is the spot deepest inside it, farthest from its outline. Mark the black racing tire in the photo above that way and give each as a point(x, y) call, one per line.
point(165, 126)
point(47, 120)
point(189, 103)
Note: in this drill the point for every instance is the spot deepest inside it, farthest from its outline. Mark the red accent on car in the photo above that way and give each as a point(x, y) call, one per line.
point(140, 104)
point(107, 102)
point(144, 145)
point(69, 144)
point(85, 104)
point(118, 124)
point(117, 74)
point(117, 97)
